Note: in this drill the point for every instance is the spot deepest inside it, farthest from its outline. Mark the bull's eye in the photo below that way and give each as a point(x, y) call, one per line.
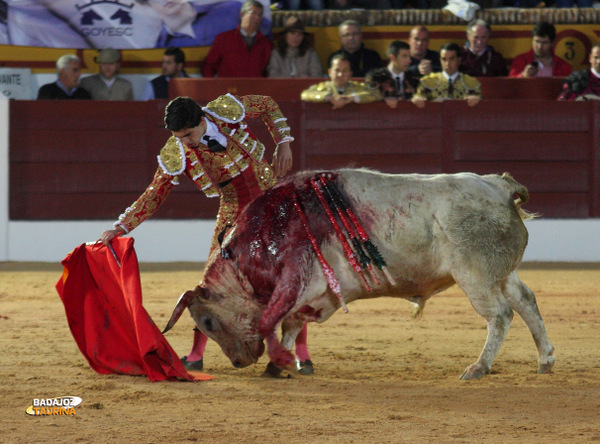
point(208, 324)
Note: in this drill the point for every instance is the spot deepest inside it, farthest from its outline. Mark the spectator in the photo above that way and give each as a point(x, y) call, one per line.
point(541, 60)
point(450, 83)
point(68, 69)
point(294, 55)
point(173, 62)
point(405, 82)
point(241, 52)
point(361, 59)
point(107, 85)
point(479, 59)
point(423, 61)
point(394, 83)
point(584, 85)
point(340, 90)
point(380, 80)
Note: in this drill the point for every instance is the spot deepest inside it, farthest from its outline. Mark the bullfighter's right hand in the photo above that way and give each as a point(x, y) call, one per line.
point(109, 235)
point(419, 101)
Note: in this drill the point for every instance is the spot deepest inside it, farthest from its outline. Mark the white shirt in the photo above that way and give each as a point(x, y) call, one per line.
point(212, 131)
point(398, 80)
point(451, 78)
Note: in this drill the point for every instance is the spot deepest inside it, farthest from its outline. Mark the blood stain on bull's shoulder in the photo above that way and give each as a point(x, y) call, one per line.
point(415, 197)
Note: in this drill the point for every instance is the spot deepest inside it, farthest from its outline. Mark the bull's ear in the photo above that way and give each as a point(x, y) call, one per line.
point(185, 300)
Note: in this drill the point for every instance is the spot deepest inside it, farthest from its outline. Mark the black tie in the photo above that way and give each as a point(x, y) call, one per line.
point(450, 87)
point(398, 85)
point(213, 145)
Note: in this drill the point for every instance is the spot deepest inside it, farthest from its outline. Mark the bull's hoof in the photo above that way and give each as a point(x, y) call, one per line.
point(306, 367)
point(272, 371)
point(547, 367)
point(475, 371)
point(193, 366)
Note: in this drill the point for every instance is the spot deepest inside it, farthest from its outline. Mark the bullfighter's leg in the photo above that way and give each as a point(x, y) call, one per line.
point(491, 305)
point(295, 328)
point(522, 300)
point(194, 360)
point(305, 365)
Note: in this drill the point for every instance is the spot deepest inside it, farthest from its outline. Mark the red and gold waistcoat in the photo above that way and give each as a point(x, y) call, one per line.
point(241, 166)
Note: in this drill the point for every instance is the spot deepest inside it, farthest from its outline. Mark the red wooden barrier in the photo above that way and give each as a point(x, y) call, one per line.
point(90, 160)
point(285, 90)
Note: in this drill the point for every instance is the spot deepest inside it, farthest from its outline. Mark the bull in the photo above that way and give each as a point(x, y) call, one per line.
point(284, 262)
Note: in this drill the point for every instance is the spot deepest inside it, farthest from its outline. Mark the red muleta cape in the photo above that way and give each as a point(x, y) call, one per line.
point(103, 303)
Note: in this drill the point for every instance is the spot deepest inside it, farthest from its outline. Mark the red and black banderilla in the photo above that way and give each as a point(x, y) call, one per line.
point(332, 281)
point(338, 231)
point(340, 202)
point(365, 260)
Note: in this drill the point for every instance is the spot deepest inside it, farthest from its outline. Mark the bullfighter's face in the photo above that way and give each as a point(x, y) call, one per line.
point(449, 60)
point(340, 73)
point(191, 136)
point(233, 328)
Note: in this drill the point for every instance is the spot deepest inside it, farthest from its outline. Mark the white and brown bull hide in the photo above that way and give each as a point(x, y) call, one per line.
point(432, 230)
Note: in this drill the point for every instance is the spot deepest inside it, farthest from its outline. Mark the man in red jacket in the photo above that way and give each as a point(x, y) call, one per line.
point(241, 52)
point(541, 60)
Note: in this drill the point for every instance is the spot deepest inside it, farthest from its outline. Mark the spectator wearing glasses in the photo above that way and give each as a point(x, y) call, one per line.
point(362, 60)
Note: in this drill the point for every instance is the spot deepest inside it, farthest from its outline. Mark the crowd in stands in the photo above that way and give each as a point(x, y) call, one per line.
point(412, 71)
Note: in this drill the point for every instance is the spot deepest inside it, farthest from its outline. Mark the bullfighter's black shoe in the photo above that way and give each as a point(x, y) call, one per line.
point(193, 366)
point(306, 367)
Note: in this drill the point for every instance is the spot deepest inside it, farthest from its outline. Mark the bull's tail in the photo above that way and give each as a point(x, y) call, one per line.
point(522, 196)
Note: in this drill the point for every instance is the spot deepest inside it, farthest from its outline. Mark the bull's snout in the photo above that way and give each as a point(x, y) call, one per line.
point(237, 364)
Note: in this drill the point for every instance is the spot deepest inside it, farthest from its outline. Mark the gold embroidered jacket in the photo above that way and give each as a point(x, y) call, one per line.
point(320, 92)
point(242, 159)
point(436, 86)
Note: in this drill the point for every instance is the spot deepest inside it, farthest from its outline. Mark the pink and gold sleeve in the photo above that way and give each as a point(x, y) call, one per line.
point(148, 203)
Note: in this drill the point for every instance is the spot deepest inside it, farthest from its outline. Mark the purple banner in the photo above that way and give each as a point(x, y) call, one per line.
point(119, 24)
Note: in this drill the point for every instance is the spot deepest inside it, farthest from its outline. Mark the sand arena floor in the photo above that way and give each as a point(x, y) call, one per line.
point(380, 376)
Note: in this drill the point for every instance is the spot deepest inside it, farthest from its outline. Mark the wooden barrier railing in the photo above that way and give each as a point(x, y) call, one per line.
point(90, 160)
point(283, 90)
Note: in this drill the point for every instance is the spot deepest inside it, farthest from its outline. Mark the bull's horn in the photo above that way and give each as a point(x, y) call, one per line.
point(184, 301)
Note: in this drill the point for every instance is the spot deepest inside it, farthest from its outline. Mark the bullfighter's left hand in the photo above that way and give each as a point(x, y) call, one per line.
point(282, 159)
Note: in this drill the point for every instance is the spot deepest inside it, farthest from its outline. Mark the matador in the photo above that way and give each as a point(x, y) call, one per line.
point(214, 147)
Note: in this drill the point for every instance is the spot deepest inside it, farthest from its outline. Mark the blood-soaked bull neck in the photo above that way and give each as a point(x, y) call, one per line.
point(269, 237)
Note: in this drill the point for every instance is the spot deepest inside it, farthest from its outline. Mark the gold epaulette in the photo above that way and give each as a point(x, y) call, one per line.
point(227, 108)
point(431, 81)
point(172, 157)
point(471, 82)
